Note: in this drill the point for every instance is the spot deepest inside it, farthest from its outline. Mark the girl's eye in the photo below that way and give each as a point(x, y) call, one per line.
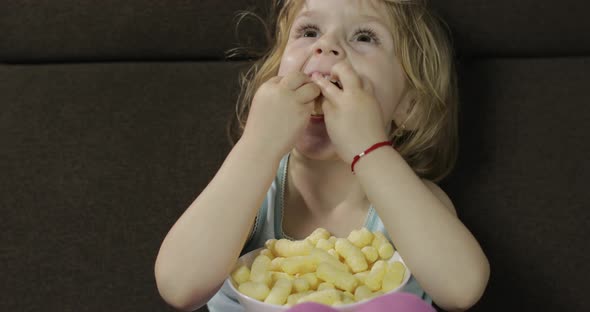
point(367, 35)
point(307, 30)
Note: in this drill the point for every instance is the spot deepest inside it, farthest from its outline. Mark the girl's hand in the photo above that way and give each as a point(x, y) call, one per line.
point(281, 109)
point(353, 116)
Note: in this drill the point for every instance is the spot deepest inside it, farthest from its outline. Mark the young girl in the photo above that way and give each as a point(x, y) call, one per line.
point(351, 118)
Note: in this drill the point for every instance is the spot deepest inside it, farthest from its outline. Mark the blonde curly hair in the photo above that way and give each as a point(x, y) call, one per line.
point(423, 48)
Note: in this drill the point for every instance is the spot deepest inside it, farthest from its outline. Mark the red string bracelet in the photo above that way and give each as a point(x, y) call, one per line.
point(370, 149)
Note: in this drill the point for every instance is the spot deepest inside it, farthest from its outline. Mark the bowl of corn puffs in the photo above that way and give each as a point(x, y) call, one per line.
point(342, 273)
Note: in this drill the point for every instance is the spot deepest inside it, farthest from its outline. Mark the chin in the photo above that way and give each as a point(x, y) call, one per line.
point(315, 149)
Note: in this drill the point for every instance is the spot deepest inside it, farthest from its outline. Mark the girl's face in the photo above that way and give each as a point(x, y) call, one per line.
point(326, 32)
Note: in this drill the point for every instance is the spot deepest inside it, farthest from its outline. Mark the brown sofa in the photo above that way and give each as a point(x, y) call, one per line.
point(112, 120)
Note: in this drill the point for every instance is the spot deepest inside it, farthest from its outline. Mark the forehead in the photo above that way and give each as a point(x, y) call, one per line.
point(368, 9)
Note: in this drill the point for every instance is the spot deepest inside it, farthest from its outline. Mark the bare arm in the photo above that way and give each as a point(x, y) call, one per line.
point(423, 225)
point(201, 248)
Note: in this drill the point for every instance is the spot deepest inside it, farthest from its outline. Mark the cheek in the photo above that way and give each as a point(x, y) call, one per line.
point(380, 81)
point(388, 96)
point(389, 92)
point(382, 91)
point(291, 61)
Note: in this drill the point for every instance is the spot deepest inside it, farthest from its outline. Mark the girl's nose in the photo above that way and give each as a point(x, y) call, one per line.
point(328, 47)
point(330, 51)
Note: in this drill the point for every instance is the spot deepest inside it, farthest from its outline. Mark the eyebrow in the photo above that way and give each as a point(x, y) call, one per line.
point(372, 18)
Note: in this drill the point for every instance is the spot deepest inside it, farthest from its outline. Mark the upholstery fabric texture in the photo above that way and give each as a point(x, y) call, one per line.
point(113, 116)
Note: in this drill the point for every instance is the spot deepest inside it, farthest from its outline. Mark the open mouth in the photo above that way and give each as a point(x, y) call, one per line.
point(337, 84)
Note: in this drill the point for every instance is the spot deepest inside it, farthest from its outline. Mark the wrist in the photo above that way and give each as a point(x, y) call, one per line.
point(385, 144)
point(258, 150)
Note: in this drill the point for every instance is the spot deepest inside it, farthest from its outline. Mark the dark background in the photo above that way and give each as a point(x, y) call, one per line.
point(112, 120)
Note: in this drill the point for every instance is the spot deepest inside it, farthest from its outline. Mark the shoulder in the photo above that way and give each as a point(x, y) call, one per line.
point(441, 195)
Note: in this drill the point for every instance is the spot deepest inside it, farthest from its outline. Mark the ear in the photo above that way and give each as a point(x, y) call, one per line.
point(406, 110)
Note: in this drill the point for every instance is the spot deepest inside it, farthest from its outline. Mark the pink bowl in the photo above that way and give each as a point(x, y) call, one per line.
point(391, 302)
point(400, 301)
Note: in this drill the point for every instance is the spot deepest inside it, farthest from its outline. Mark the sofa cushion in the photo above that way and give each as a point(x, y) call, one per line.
point(520, 181)
point(97, 163)
point(73, 30)
point(518, 28)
